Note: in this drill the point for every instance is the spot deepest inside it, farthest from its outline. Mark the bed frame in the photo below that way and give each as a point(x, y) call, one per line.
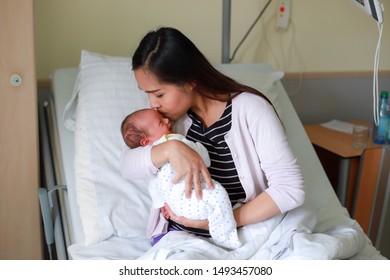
point(53, 197)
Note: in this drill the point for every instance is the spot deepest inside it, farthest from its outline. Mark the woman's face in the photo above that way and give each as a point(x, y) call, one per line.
point(170, 100)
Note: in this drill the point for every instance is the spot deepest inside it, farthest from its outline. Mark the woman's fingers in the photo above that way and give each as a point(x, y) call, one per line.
point(196, 185)
point(169, 213)
point(188, 185)
point(194, 182)
point(190, 167)
point(165, 211)
point(207, 177)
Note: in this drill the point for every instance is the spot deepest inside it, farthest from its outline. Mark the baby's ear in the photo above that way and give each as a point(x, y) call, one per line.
point(144, 142)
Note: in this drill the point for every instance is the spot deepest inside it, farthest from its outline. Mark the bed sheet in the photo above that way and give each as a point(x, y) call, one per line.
point(320, 229)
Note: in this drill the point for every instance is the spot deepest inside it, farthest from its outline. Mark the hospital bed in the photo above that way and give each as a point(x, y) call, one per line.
point(91, 212)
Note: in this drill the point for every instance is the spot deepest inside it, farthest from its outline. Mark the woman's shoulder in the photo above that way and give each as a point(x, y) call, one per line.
point(251, 107)
point(249, 100)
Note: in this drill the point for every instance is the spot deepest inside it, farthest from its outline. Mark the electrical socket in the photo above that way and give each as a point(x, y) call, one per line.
point(283, 14)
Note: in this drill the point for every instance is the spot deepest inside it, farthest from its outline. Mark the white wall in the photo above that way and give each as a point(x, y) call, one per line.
point(331, 35)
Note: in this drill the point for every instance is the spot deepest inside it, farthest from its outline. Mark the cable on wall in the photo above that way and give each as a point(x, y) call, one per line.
point(375, 87)
point(250, 29)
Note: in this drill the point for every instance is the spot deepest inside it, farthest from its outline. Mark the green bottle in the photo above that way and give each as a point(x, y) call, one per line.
point(381, 131)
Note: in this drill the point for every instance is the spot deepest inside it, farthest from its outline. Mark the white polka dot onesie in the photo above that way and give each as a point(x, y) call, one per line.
point(215, 205)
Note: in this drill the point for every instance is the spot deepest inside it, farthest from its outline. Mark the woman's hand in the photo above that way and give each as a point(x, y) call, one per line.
point(165, 212)
point(199, 224)
point(187, 163)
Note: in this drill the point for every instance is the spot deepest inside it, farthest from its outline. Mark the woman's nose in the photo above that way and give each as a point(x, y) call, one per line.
point(153, 103)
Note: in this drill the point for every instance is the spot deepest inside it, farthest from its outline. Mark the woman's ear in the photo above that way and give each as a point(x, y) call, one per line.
point(191, 85)
point(144, 142)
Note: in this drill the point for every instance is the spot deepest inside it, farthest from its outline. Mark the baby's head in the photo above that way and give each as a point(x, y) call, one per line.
point(143, 127)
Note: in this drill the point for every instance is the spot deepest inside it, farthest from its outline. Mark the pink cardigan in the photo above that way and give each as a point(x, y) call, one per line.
point(260, 151)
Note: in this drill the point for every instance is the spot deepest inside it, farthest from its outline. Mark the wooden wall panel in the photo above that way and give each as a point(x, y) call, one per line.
point(20, 226)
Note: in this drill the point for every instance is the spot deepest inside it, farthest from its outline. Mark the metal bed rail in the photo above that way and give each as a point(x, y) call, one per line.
point(53, 193)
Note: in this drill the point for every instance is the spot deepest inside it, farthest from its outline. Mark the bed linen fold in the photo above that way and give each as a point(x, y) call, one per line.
point(289, 236)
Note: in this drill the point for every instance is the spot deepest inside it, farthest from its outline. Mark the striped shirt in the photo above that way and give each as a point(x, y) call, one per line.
point(222, 168)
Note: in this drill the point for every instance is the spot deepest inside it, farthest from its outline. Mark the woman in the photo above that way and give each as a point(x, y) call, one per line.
point(238, 125)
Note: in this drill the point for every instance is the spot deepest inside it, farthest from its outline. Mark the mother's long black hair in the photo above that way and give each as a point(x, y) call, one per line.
point(173, 58)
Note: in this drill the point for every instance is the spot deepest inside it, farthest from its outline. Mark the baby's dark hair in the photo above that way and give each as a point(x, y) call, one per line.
point(131, 133)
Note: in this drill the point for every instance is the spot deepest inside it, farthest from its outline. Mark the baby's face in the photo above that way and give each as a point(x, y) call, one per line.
point(157, 125)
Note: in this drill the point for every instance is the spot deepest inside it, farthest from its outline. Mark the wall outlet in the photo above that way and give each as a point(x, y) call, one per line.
point(283, 14)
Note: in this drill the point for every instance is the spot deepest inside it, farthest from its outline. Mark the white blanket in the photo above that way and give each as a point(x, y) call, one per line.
point(289, 236)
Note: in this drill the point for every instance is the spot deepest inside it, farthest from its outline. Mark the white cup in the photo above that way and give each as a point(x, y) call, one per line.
point(361, 135)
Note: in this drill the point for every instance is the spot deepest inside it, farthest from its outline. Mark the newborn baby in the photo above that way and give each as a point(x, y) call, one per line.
point(149, 127)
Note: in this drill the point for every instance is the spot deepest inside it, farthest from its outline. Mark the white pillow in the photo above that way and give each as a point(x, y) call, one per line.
point(257, 76)
point(105, 92)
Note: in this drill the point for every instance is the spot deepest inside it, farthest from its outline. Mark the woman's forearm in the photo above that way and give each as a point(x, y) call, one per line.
point(143, 162)
point(160, 154)
point(136, 163)
point(259, 209)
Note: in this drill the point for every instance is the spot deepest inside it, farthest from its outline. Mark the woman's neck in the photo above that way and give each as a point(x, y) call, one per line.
point(208, 110)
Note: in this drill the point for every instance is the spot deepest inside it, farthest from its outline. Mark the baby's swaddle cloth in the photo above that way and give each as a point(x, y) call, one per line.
point(214, 206)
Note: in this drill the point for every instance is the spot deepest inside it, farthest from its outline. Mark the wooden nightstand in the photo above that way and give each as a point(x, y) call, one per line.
point(340, 160)
point(360, 177)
